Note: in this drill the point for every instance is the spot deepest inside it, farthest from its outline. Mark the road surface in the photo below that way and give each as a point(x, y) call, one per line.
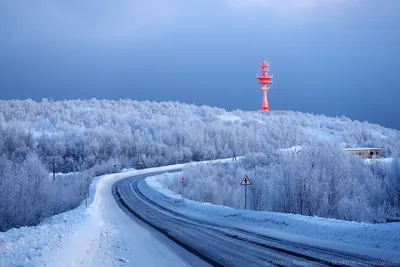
point(218, 245)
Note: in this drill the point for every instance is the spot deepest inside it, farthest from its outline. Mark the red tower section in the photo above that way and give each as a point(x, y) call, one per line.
point(264, 79)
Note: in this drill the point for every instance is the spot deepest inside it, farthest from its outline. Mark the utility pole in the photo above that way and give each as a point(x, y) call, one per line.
point(144, 164)
point(137, 155)
point(54, 170)
point(140, 162)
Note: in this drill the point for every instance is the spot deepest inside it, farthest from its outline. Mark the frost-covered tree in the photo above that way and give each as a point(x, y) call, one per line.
point(28, 194)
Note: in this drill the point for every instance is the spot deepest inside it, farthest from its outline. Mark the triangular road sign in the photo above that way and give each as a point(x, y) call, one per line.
point(246, 181)
point(183, 180)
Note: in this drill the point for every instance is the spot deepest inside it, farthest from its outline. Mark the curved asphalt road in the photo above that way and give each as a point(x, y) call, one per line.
point(223, 246)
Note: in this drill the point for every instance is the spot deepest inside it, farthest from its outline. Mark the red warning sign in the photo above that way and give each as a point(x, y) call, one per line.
point(183, 180)
point(246, 181)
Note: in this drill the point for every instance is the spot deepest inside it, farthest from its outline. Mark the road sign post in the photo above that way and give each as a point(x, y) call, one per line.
point(182, 185)
point(245, 197)
point(245, 181)
point(182, 180)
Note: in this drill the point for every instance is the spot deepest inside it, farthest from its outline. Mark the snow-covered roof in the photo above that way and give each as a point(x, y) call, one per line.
point(382, 160)
point(228, 117)
point(361, 148)
point(293, 149)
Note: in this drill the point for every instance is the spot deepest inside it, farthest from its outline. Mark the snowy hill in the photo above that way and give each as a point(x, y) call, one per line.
point(83, 126)
point(104, 136)
point(93, 137)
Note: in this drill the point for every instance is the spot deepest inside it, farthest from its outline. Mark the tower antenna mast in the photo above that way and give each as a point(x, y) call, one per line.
point(265, 80)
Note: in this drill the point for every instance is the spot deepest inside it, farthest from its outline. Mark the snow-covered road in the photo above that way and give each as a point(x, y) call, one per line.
point(133, 221)
point(221, 245)
point(125, 241)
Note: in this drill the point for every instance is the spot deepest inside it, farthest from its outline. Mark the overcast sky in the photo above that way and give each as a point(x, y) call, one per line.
point(335, 57)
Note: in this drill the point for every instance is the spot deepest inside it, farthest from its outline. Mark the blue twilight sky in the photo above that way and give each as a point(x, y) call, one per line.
point(335, 57)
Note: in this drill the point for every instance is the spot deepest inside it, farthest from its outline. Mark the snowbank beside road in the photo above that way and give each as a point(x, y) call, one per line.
point(71, 238)
point(54, 240)
point(377, 240)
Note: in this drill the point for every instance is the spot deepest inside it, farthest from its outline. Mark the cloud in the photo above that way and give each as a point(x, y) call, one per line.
point(83, 20)
point(115, 21)
point(289, 4)
point(293, 6)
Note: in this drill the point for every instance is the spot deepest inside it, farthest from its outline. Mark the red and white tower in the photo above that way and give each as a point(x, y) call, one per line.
point(264, 79)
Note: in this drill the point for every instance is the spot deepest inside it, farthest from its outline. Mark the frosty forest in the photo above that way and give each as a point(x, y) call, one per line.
point(93, 137)
point(315, 183)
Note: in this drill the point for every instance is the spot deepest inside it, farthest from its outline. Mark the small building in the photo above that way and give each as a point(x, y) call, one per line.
point(365, 152)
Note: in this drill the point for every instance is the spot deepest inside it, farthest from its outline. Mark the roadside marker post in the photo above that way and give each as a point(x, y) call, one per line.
point(87, 195)
point(245, 181)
